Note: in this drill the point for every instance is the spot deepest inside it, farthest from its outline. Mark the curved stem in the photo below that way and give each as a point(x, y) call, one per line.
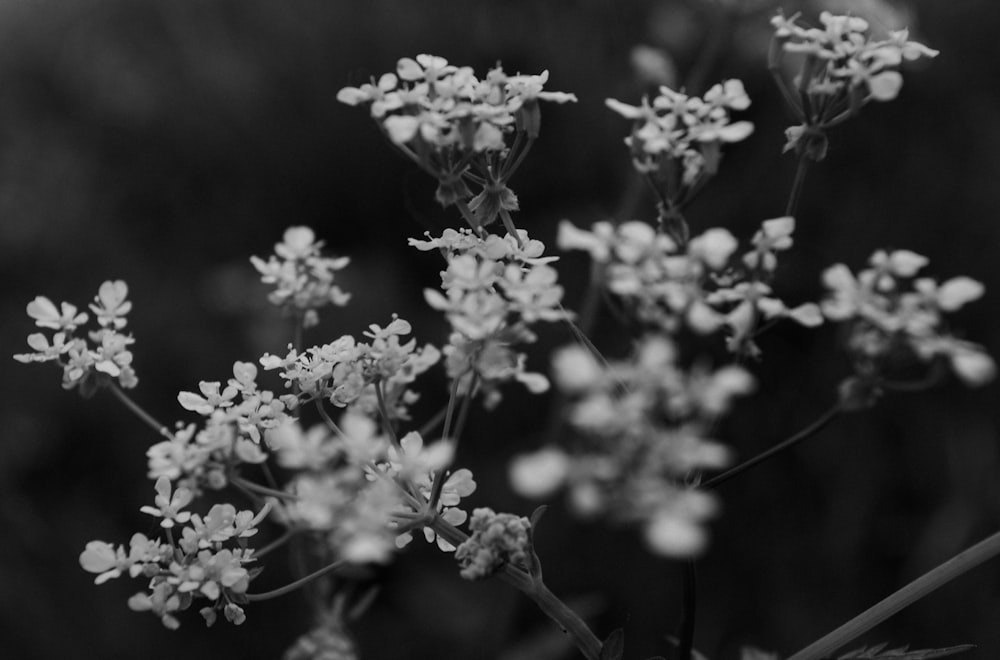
point(923, 585)
point(276, 543)
point(808, 431)
point(568, 620)
point(137, 410)
point(288, 588)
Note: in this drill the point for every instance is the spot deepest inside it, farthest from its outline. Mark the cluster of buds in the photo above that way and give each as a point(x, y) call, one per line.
point(303, 278)
point(699, 286)
point(202, 558)
point(642, 432)
point(92, 361)
point(496, 539)
point(460, 129)
point(894, 316)
point(677, 139)
point(843, 67)
point(493, 289)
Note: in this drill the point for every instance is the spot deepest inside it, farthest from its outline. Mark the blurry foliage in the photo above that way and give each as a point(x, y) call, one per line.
point(165, 142)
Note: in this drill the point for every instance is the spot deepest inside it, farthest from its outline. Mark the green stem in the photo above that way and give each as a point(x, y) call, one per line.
point(288, 588)
point(140, 413)
point(810, 430)
point(923, 585)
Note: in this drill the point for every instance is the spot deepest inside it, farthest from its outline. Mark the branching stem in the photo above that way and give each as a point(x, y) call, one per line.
point(807, 432)
point(288, 588)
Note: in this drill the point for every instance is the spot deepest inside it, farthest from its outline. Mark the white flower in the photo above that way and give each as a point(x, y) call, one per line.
point(539, 474)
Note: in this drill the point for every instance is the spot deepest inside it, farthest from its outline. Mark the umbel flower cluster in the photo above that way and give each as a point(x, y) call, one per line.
point(336, 466)
point(462, 130)
point(643, 428)
point(700, 286)
point(677, 139)
point(89, 361)
point(494, 288)
point(842, 68)
point(893, 316)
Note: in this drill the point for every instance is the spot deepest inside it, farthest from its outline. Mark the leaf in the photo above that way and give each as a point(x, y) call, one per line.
point(613, 647)
point(903, 653)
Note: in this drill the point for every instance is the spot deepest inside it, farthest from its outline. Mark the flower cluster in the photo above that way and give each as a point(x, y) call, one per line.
point(416, 466)
point(493, 289)
point(255, 413)
point(348, 372)
point(677, 139)
point(206, 559)
point(302, 277)
point(843, 68)
point(460, 129)
point(697, 286)
point(893, 316)
point(496, 539)
point(643, 427)
point(90, 361)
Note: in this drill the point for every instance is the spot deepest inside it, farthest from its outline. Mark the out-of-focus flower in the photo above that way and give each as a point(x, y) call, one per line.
point(701, 286)
point(643, 428)
point(842, 68)
point(676, 139)
point(89, 362)
point(892, 314)
point(303, 278)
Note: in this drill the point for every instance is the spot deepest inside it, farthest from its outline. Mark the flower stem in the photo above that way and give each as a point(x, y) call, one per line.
point(449, 414)
point(262, 490)
point(384, 413)
point(568, 620)
point(807, 432)
point(686, 635)
point(800, 176)
point(923, 585)
point(288, 588)
point(276, 543)
point(140, 413)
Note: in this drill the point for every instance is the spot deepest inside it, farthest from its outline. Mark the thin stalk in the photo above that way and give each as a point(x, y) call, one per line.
point(807, 432)
point(686, 635)
point(384, 413)
point(914, 591)
point(327, 419)
point(568, 620)
point(439, 475)
point(262, 490)
point(432, 423)
point(276, 543)
point(301, 582)
point(137, 410)
point(800, 176)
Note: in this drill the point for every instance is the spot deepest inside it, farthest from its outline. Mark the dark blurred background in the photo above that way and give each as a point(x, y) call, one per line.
point(165, 142)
